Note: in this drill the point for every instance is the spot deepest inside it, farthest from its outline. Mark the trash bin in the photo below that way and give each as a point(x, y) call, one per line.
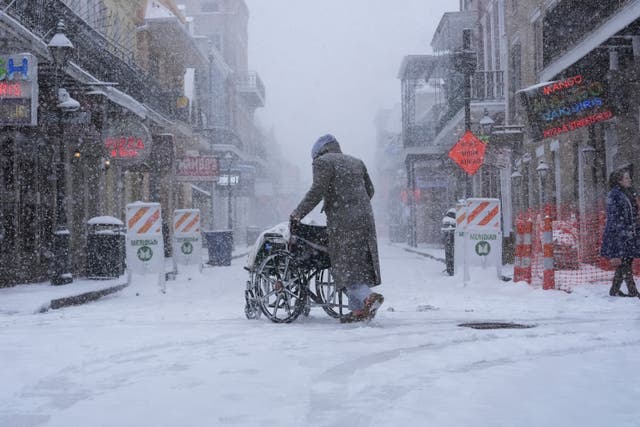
point(220, 246)
point(252, 235)
point(105, 248)
point(449, 230)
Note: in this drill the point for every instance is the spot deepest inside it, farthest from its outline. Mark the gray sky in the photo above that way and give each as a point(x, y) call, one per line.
point(329, 66)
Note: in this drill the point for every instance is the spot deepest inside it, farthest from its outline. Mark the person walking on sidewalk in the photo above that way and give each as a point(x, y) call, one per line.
point(344, 184)
point(621, 239)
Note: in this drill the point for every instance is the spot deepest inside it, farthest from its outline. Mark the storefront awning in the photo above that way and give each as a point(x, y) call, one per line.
point(625, 16)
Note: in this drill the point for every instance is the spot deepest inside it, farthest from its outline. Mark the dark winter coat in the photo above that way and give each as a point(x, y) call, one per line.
point(622, 230)
point(344, 184)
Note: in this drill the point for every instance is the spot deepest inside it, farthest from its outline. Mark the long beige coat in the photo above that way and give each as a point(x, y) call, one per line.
point(344, 184)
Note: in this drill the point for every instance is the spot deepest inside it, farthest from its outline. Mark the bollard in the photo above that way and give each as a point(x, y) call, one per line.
point(548, 279)
point(522, 267)
point(518, 270)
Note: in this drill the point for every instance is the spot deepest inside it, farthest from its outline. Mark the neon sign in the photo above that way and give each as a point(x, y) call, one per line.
point(10, 90)
point(565, 105)
point(124, 147)
point(18, 89)
point(8, 68)
point(126, 140)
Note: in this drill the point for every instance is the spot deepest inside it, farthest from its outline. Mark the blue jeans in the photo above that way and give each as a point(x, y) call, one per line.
point(357, 294)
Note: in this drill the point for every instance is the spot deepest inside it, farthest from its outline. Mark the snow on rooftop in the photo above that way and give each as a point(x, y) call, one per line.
point(156, 10)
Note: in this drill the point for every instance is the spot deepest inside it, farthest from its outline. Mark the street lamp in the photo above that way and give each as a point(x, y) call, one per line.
point(516, 179)
point(543, 171)
point(486, 123)
point(61, 49)
point(228, 160)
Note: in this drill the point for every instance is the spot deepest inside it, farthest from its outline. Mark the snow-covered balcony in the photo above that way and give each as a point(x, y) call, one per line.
point(251, 88)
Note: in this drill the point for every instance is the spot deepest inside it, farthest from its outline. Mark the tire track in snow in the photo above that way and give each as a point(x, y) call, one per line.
point(330, 389)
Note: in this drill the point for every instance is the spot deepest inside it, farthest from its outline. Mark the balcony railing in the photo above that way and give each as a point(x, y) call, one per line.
point(93, 52)
point(487, 85)
point(251, 85)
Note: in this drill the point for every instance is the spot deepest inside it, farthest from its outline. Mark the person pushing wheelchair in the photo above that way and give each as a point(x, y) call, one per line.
point(343, 183)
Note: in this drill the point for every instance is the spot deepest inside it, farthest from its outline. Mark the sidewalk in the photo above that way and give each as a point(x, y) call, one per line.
point(41, 297)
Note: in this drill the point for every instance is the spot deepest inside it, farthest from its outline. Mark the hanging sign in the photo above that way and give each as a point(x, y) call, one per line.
point(18, 90)
point(197, 168)
point(127, 140)
point(562, 106)
point(468, 153)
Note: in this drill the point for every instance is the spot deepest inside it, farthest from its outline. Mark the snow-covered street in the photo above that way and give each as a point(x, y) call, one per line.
point(191, 358)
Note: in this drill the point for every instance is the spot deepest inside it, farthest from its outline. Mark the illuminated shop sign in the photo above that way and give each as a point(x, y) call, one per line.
point(565, 105)
point(127, 140)
point(18, 90)
point(197, 168)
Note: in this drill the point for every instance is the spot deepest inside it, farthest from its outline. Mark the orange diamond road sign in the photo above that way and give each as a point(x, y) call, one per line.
point(468, 153)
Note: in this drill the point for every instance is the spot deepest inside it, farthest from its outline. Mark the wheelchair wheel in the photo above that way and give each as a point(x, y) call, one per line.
point(251, 307)
point(280, 288)
point(334, 302)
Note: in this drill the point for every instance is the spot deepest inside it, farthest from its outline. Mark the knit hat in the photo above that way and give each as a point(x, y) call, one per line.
point(321, 143)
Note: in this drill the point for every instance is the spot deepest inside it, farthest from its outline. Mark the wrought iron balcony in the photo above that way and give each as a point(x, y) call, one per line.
point(94, 52)
point(250, 86)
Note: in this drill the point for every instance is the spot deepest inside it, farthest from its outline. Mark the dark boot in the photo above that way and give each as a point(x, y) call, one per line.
point(631, 286)
point(616, 283)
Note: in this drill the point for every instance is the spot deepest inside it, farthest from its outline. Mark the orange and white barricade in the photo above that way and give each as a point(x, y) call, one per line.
point(548, 272)
point(522, 266)
point(145, 246)
point(187, 239)
point(483, 233)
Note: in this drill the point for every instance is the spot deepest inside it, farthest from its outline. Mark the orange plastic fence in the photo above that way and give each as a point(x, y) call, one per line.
point(574, 250)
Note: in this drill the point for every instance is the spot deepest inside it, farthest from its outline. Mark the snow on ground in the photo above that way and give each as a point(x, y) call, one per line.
point(191, 358)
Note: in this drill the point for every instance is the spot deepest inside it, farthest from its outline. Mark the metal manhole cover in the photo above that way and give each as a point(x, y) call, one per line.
point(495, 325)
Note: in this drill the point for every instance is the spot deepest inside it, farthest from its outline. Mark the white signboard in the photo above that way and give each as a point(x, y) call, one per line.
point(145, 246)
point(187, 239)
point(479, 234)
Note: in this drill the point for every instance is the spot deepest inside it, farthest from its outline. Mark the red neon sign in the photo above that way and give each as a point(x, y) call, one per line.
point(10, 90)
point(124, 147)
point(576, 124)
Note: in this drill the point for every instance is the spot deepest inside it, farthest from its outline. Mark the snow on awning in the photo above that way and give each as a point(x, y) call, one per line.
point(156, 9)
point(200, 190)
point(625, 16)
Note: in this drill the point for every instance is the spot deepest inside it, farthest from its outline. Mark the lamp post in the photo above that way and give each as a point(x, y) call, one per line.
point(543, 171)
point(516, 178)
point(465, 61)
point(61, 48)
point(228, 158)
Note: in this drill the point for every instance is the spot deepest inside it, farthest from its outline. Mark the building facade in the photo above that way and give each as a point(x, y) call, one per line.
point(139, 91)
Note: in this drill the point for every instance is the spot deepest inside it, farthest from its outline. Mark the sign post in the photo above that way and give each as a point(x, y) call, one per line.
point(145, 245)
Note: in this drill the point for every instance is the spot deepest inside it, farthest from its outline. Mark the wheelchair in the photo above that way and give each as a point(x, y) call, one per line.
point(289, 276)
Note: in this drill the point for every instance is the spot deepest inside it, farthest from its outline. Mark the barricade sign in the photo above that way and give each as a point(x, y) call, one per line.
point(479, 239)
point(186, 237)
point(484, 233)
point(145, 246)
